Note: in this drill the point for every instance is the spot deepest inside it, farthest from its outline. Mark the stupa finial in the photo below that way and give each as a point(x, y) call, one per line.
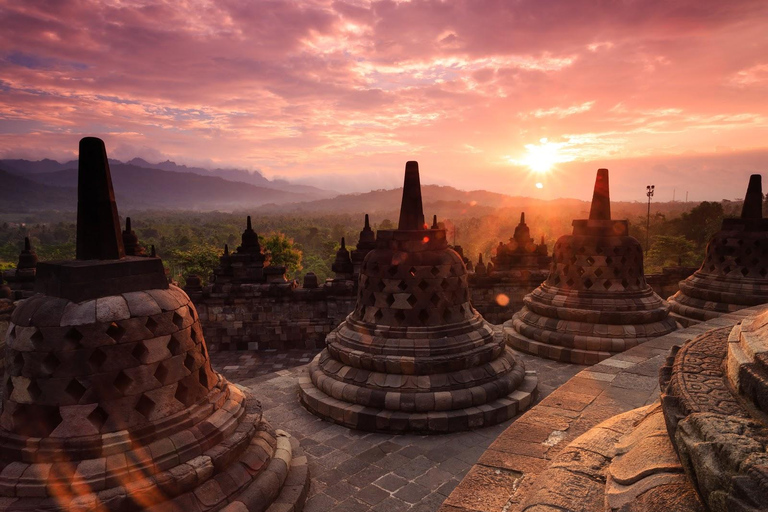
point(27, 244)
point(522, 217)
point(128, 224)
point(753, 200)
point(248, 223)
point(434, 222)
point(601, 198)
point(411, 209)
point(367, 223)
point(343, 243)
point(98, 225)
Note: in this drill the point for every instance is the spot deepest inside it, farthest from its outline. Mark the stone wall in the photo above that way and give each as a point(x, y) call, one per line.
point(6, 309)
point(667, 283)
point(272, 316)
point(499, 295)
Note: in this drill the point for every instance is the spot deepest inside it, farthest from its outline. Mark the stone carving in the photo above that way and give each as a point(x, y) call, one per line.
point(110, 402)
point(521, 252)
point(414, 356)
point(365, 244)
point(734, 274)
point(595, 301)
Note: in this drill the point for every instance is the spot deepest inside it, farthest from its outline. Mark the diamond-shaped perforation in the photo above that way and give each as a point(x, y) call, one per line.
point(390, 300)
point(37, 339)
point(403, 285)
point(412, 300)
point(400, 316)
point(392, 270)
point(447, 316)
point(122, 382)
point(182, 394)
point(98, 417)
point(192, 313)
point(607, 284)
point(598, 272)
point(588, 283)
point(590, 260)
point(189, 361)
point(193, 334)
point(412, 271)
point(435, 299)
point(178, 321)
point(174, 346)
point(378, 315)
point(35, 420)
point(202, 376)
point(423, 285)
point(151, 325)
point(8, 387)
point(434, 271)
point(50, 363)
point(97, 358)
point(145, 406)
point(72, 339)
point(34, 390)
point(140, 352)
point(75, 390)
point(161, 373)
point(423, 316)
point(115, 331)
point(380, 285)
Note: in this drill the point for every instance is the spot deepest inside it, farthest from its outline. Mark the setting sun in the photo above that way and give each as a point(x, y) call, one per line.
point(541, 157)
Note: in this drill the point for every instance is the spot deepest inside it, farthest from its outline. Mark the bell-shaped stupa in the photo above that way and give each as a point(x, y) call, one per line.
point(414, 355)
point(110, 402)
point(734, 274)
point(595, 302)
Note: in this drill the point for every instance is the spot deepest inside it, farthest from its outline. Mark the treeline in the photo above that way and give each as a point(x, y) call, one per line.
point(192, 242)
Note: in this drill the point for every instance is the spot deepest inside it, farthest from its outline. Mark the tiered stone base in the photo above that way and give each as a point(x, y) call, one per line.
point(585, 328)
point(720, 439)
point(469, 381)
point(703, 297)
point(229, 460)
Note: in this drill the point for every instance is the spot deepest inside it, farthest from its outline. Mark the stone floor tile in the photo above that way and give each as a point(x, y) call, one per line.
point(412, 493)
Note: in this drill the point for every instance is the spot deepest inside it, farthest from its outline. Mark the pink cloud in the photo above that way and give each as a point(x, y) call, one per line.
point(315, 89)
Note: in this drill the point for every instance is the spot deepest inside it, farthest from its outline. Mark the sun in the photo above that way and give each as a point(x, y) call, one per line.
point(540, 158)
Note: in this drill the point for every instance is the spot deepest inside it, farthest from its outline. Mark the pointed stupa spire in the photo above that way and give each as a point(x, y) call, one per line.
point(27, 244)
point(601, 198)
point(480, 259)
point(522, 217)
point(226, 249)
point(434, 222)
point(367, 222)
point(411, 209)
point(343, 243)
point(753, 201)
point(98, 226)
point(152, 252)
point(248, 223)
point(127, 224)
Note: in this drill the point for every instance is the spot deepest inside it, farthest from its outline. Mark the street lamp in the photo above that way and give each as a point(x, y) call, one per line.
point(649, 193)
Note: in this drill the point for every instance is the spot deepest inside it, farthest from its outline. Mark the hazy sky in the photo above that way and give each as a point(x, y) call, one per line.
point(484, 93)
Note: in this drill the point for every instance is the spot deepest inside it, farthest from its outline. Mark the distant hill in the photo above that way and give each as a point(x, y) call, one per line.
point(140, 188)
point(28, 168)
point(21, 195)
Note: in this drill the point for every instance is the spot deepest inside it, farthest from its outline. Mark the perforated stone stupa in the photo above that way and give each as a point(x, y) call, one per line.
point(734, 274)
point(521, 251)
point(21, 280)
point(414, 355)
point(110, 402)
point(595, 302)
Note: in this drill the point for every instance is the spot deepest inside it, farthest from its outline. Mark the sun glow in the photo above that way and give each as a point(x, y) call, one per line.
point(540, 158)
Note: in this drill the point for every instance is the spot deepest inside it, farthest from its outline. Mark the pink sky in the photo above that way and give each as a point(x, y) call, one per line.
point(340, 94)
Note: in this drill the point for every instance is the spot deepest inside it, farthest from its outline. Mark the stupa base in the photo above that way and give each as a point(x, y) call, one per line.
point(372, 419)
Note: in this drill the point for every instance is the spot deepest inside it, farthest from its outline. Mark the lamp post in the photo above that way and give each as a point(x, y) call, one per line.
point(649, 193)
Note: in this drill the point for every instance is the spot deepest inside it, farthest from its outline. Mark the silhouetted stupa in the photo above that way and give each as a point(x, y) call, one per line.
point(110, 402)
point(414, 355)
point(595, 302)
point(734, 274)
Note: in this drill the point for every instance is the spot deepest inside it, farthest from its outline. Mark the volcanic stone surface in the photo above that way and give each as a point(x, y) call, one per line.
point(110, 402)
point(414, 355)
point(734, 273)
point(595, 302)
point(715, 400)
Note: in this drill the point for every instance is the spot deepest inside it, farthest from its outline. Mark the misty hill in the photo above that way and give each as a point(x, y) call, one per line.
point(29, 168)
point(35, 195)
point(140, 188)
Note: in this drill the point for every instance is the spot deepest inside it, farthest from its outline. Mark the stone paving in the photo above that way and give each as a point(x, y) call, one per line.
point(360, 471)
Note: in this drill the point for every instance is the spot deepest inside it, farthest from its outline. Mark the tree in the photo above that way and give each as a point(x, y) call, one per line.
point(668, 251)
point(281, 250)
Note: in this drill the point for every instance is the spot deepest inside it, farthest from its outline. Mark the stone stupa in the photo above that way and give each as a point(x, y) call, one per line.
point(595, 302)
point(734, 274)
point(110, 402)
point(521, 252)
point(414, 355)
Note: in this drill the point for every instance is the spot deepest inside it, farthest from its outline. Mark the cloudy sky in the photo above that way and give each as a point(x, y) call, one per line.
point(517, 96)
